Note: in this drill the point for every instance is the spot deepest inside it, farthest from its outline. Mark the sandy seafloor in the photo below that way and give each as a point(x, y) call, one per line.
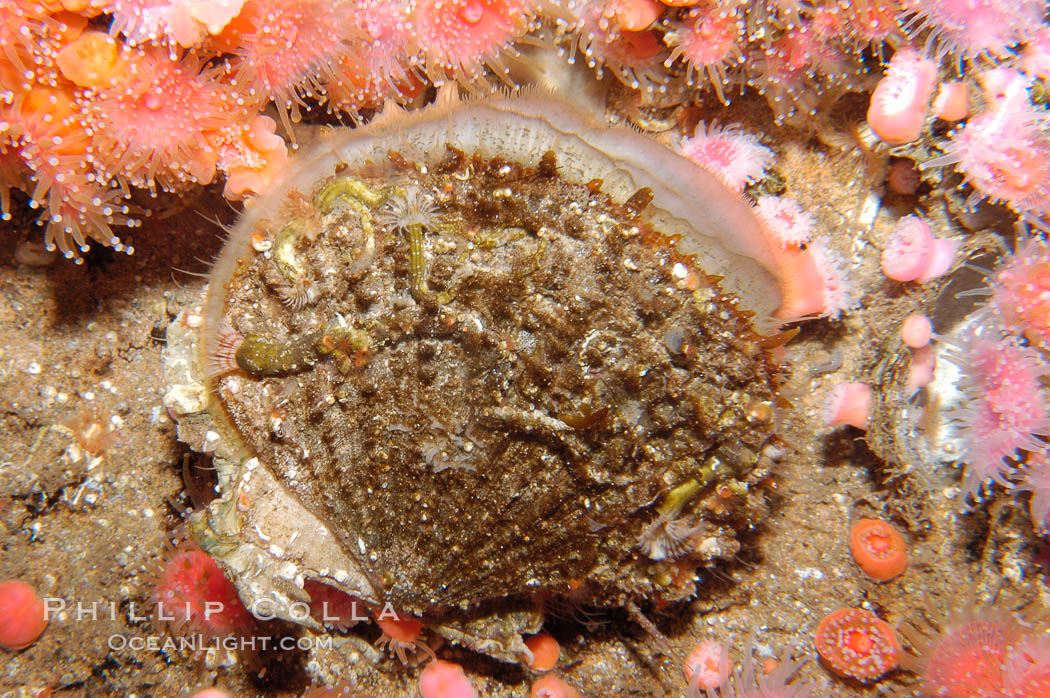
point(86, 341)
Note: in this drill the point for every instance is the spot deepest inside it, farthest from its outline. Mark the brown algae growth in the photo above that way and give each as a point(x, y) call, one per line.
point(473, 356)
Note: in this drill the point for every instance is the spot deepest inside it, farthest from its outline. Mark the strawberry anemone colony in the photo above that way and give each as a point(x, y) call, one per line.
point(84, 80)
point(1000, 420)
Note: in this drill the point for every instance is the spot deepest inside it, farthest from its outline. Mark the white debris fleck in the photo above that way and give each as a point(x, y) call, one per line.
point(185, 399)
point(258, 531)
point(211, 440)
point(260, 244)
point(869, 210)
point(809, 573)
point(709, 546)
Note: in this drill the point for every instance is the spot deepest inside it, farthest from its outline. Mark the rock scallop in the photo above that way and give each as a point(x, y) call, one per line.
point(476, 355)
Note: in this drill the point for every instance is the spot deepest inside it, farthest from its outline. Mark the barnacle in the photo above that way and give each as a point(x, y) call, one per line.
point(410, 207)
point(298, 294)
point(669, 536)
point(408, 210)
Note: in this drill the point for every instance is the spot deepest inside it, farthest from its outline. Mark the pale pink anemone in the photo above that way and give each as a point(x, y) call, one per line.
point(736, 157)
point(1005, 411)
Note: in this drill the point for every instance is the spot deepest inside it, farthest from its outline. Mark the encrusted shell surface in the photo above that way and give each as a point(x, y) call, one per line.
point(486, 352)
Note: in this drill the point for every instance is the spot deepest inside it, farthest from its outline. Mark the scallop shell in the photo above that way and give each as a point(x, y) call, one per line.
point(522, 348)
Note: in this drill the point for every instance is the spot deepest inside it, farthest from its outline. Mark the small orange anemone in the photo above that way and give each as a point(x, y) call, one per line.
point(91, 60)
point(878, 548)
point(855, 643)
point(23, 615)
point(635, 15)
point(402, 635)
point(551, 686)
point(545, 652)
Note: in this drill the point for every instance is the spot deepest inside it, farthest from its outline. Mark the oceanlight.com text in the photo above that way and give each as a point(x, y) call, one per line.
point(198, 643)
